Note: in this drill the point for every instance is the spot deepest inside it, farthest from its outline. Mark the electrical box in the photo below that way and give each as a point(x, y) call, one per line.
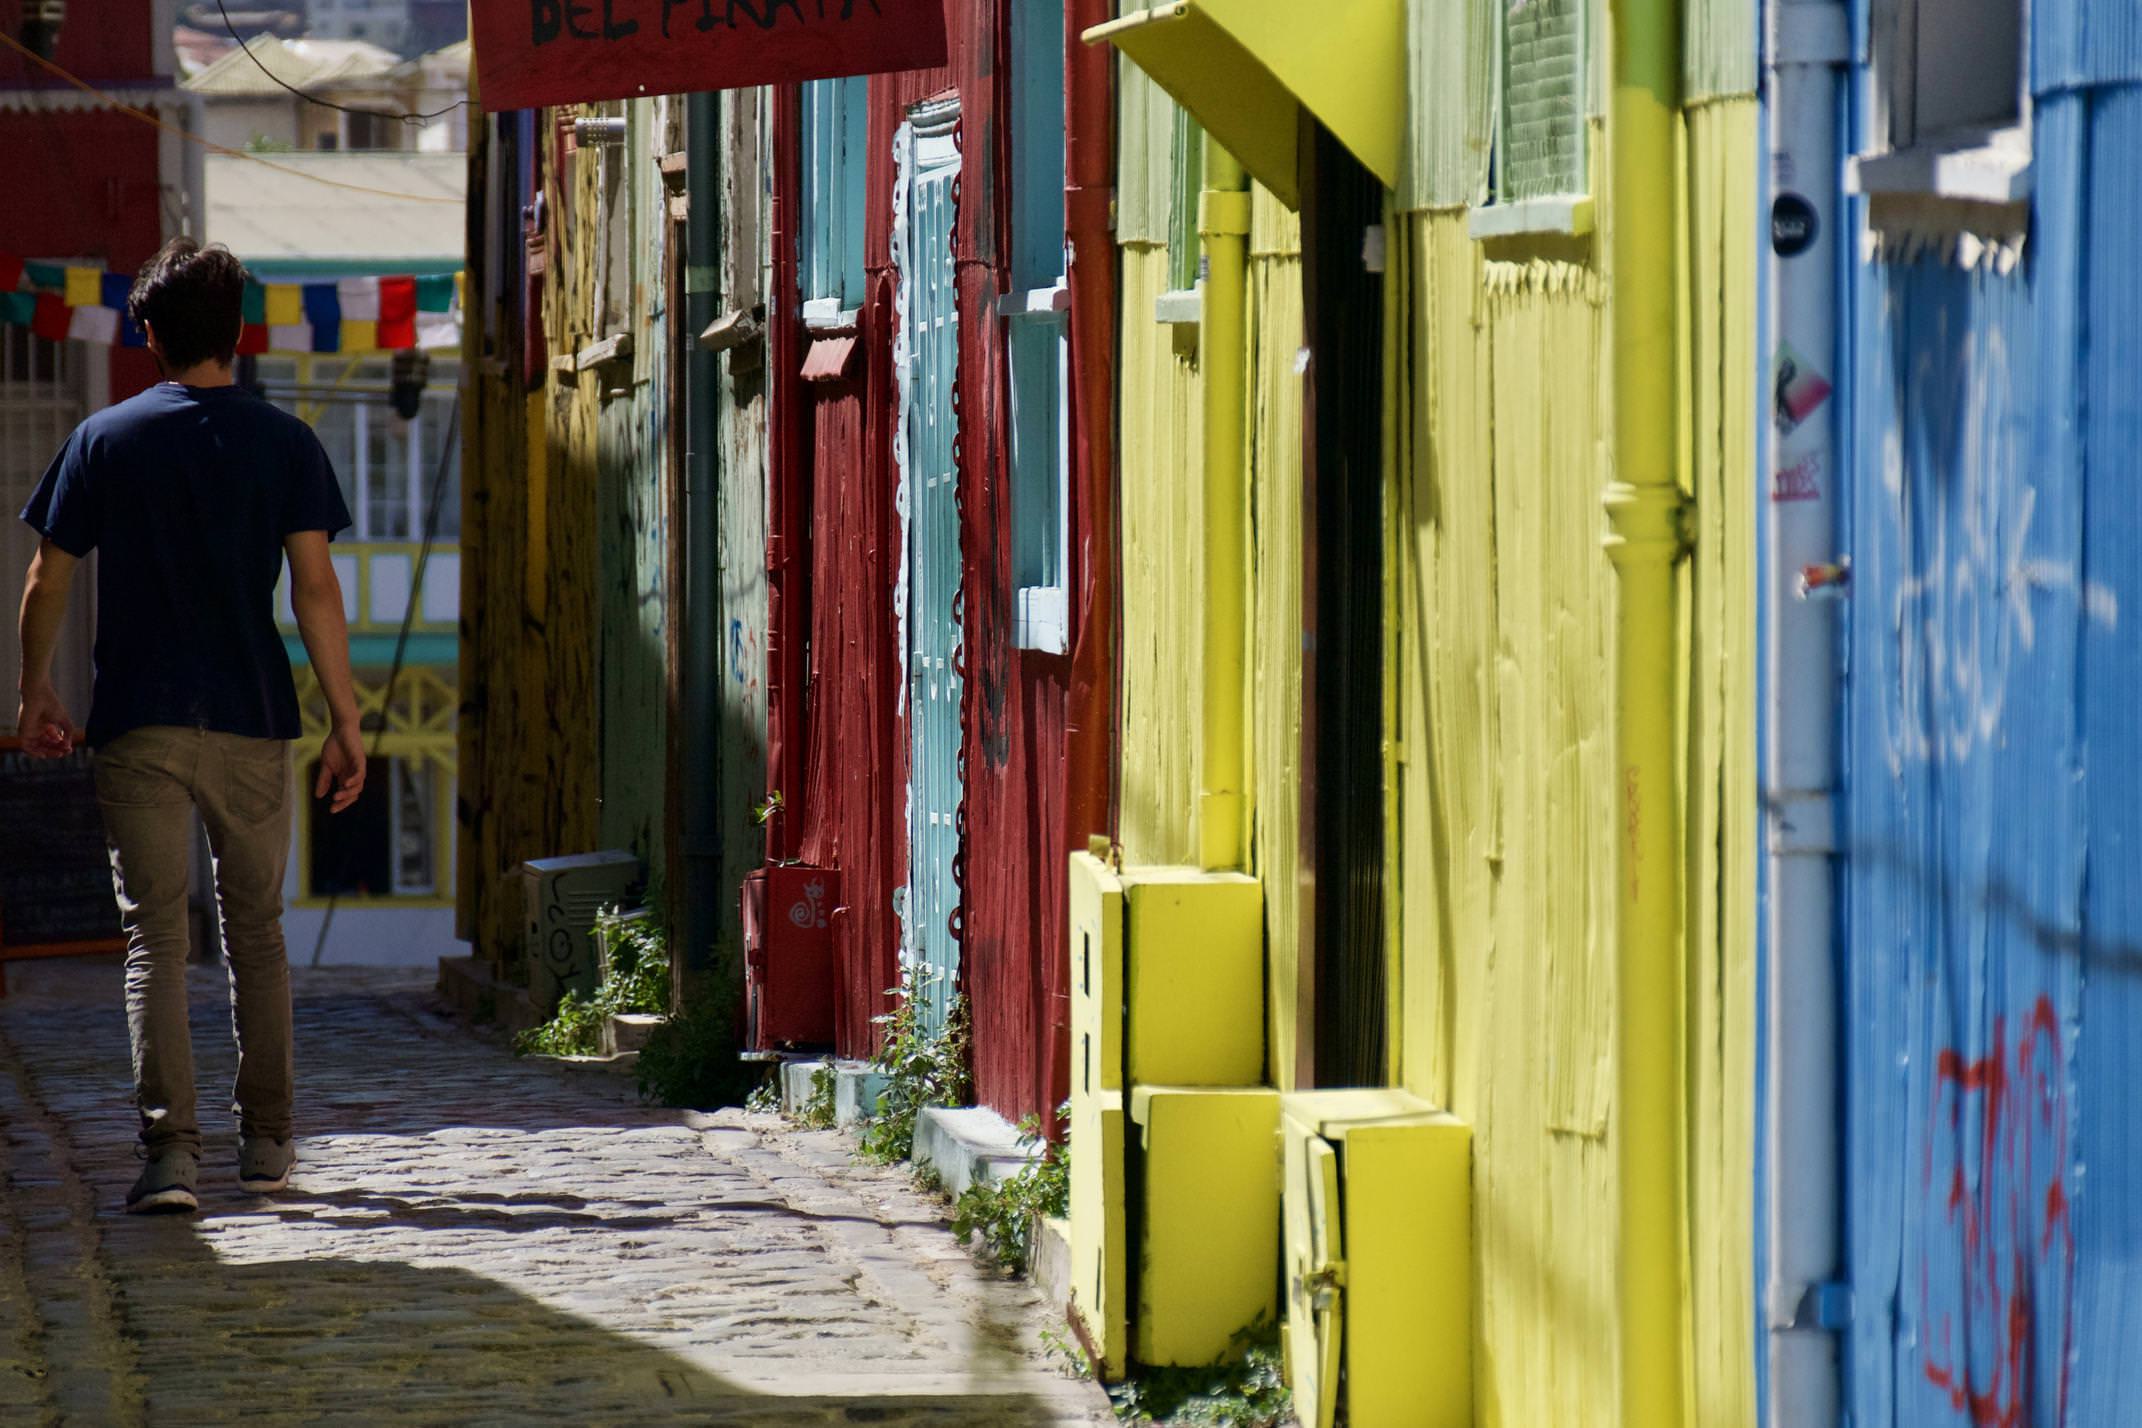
point(1167, 992)
point(1193, 961)
point(1208, 1227)
point(789, 974)
point(1100, 1262)
point(1377, 1187)
point(562, 897)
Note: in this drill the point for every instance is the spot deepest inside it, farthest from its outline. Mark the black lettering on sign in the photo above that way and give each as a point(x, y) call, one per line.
point(574, 14)
point(611, 28)
point(667, 6)
point(545, 19)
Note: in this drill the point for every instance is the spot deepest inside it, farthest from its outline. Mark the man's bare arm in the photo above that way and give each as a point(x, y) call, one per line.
point(316, 599)
point(41, 719)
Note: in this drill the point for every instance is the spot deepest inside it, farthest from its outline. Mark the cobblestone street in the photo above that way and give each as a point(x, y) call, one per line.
point(470, 1239)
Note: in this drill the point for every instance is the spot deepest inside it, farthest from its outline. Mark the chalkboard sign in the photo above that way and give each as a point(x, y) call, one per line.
point(55, 878)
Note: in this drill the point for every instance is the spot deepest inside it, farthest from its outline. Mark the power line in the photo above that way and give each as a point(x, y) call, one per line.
point(115, 102)
point(406, 118)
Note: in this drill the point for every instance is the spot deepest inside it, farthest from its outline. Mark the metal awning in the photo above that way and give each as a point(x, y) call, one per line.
point(1245, 69)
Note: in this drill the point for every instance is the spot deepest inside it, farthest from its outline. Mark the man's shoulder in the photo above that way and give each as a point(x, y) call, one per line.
point(157, 408)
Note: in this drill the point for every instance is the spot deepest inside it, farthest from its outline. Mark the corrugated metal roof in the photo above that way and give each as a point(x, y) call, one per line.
point(279, 214)
point(55, 100)
point(309, 65)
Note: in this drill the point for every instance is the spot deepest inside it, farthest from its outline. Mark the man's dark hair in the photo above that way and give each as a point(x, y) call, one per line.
point(195, 298)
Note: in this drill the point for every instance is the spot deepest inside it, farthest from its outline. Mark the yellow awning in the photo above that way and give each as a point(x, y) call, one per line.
point(1246, 68)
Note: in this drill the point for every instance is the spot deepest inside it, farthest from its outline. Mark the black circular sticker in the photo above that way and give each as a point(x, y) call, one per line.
point(1793, 225)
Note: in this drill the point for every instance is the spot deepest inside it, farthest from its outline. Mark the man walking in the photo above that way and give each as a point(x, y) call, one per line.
point(194, 492)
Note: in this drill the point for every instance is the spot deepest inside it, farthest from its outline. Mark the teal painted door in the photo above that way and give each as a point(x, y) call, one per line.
point(929, 422)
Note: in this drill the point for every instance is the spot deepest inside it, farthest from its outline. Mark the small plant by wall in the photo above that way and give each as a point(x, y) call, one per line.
point(636, 982)
point(922, 1068)
point(1003, 1214)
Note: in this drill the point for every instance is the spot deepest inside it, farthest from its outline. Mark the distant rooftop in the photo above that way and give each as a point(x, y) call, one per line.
point(281, 222)
point(310, 65)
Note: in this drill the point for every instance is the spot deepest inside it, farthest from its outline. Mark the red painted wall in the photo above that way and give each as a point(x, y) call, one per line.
point(1020, 819)
point(85, 184)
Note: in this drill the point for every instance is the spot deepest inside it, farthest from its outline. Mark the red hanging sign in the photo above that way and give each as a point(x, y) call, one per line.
point(536, 52)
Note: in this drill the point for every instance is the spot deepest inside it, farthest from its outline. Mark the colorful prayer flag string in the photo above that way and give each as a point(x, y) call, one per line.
point(345, 315)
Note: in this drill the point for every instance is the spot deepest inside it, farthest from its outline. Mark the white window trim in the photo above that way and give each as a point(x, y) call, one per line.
point(1041, 617)
point(1183, 307)
point(1568, 215)
point(826, 315)
point(1979, 166)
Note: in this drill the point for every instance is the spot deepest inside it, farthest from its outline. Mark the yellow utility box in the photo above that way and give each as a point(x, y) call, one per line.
point(1193, 957)
point(1167, 989)
point(1208, 1237)
point(1100, 1260)
point(1377, 1187)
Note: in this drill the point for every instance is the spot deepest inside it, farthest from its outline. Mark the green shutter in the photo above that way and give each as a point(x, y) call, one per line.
point(1542, 149)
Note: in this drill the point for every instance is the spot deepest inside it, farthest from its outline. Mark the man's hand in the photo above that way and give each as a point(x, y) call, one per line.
point(341, 767)
point(42, 722)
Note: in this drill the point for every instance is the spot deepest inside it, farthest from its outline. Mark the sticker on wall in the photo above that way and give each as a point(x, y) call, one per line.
point(1799, 481)
point(1793, 225)
point(1797, 390)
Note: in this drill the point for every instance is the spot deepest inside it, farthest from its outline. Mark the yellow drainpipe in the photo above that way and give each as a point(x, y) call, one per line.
point(1645, 543)
point(1223, 223)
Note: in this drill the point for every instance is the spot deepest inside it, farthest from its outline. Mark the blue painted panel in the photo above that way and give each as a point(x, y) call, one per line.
point(829, 239)
point(2084, 42)
point(1994, 1162)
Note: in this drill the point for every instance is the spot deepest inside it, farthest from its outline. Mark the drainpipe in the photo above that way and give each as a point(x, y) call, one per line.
point(1089, 163)
point(1645, 544)
point(700, 825)
point(784, 536)
point(1802, 1302)
point(1223, 223)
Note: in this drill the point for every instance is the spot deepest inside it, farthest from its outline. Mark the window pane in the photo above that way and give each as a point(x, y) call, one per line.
point(1037, 144)
point(1969, 66)
point(412, 827)
point(349, 849)
point(1543, 99)
point(387, 473)
point(1188, 162)
point(830, 237)
point(1037, 449)
point(438, 416)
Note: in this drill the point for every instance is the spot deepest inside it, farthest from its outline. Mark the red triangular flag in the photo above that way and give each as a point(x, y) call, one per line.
point(11, 272)
point(397, 313)
point(252, 339)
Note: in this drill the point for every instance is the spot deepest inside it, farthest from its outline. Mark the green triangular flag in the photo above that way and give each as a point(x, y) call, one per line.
point(435, 294)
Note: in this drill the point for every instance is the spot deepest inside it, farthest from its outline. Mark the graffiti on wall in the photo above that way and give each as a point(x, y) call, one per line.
point(1996, 1251)
point(1970, 591)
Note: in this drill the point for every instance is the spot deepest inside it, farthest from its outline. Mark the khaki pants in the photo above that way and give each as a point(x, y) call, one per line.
point(149, 783)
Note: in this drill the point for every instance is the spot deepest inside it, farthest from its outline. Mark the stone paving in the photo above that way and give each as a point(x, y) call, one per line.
point(470, 1239)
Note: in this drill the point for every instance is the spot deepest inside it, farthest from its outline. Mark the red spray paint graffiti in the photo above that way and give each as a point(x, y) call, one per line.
point(1997, 1264)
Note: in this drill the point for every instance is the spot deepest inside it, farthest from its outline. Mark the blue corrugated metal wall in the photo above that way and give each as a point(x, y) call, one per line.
point(1993, 808)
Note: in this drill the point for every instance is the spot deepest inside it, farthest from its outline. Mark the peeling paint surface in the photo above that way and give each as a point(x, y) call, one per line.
point(1504, 800)
point(1994, 1162)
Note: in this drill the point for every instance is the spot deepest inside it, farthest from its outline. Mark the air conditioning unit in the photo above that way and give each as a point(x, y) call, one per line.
point(789, 970)
point(563, 895)
point(1378, 1194)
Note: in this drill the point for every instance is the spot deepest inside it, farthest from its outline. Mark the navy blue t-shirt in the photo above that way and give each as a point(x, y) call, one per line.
point(188, 493)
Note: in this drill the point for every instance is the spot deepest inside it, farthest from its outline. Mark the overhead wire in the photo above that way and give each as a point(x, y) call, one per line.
point(115, 102)
point(405, 117)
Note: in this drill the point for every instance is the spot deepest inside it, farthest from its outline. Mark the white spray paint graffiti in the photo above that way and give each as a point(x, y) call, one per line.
point(1966, 608)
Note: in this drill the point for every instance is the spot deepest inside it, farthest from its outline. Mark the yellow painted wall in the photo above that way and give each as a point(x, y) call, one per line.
point(1275, 657)
point(1503, 807)
point(1160, 449)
